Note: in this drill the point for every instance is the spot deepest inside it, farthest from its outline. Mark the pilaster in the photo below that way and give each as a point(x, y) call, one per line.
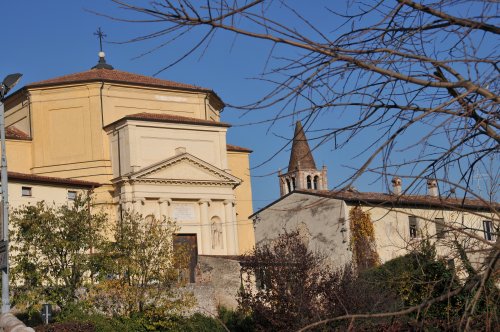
point(204, 226)
point(231, 232)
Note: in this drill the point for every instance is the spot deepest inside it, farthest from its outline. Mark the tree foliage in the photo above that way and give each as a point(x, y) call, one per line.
point(421, 276)
point(364, 249)
point(416, 83)
point(142, 270)
point(296, 287)
point(52, 250)
point(288, 277)
point(63, 255)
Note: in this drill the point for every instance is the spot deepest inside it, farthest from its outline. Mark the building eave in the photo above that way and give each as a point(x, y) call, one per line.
point(41, 179)
point(393, 201)
point(166, 118)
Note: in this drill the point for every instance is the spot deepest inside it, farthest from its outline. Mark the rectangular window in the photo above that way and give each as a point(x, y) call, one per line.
point(488, 230)
point(413, 227)
point(440, 229)
point(26, 191)
point(262, 277)
point(71, 195)
point(451, 264)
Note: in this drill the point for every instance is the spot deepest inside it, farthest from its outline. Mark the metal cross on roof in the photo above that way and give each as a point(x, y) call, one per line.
point(101, 36)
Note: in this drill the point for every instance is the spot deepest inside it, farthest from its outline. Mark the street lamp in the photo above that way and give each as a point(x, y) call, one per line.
point(7, 84)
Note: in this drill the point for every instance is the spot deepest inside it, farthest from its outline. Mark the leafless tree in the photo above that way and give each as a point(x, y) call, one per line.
point(392, 65)
point(409, 76)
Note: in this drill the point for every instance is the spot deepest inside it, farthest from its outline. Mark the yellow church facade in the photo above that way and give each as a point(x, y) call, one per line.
point(151, 146)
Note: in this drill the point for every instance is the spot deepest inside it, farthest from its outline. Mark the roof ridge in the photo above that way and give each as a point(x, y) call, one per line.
point(119, 76)
point(391, 198)
point(103, 73)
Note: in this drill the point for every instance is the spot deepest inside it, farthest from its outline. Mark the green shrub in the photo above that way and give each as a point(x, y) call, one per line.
point(82, 313)
point(153, 320)
point(236, 320)
point(140, 322)
point(417, 277)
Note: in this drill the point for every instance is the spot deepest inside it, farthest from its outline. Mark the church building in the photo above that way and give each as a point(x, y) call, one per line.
point(399, 220)
point(141, 144)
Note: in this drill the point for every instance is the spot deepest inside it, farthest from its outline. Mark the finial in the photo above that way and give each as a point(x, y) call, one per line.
point(99, 33)
point(102, 61)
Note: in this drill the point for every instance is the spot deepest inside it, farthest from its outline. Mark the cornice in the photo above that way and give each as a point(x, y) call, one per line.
point(184, 182)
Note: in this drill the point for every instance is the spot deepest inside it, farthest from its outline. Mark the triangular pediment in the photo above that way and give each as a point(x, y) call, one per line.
point(185, 168)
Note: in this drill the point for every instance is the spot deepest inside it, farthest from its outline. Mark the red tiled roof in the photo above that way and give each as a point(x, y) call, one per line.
point(230, 147)
point(170, 118)
point(51, 180)
point(394, 201)
point(406, 200)
point(117, 76)
point(12, 132)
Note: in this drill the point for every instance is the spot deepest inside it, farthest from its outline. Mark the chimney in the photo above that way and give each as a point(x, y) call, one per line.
point(432, 188)
point(396, 185)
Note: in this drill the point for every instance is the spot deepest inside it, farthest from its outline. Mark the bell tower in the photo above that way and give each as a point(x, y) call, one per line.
point(302, 172)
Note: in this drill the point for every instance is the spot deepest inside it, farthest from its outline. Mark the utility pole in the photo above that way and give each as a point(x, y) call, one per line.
point(7, 84)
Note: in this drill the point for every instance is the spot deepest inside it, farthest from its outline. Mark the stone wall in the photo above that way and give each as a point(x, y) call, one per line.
point(218, 281)
point(10, 323)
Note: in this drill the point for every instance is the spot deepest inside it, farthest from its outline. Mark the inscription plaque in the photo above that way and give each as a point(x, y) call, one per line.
point(184, 212)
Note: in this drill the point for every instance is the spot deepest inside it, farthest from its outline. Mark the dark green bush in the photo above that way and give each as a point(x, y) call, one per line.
point(418, 277)
point(81, 313)
point(140, 322)
point(236, 320)
point(194, 323)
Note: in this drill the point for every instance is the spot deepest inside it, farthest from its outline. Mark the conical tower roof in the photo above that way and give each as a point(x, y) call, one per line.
point(301, 156)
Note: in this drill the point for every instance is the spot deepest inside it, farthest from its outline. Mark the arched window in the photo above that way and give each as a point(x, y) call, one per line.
point(316, 181)
point(288, 186)
point(293, 183)
point(309, 182)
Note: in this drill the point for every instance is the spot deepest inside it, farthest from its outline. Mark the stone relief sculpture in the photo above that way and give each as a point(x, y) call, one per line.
point(216, 231)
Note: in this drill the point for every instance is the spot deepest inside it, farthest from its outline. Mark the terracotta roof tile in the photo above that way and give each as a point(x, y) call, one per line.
point(12, 132)
point(393, 201)
point(117, 76)
point(51, 180)
point(230, 147)
point(170, 118)
point(402, 200)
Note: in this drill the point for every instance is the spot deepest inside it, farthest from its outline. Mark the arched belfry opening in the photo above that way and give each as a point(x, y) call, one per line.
point(302, 173)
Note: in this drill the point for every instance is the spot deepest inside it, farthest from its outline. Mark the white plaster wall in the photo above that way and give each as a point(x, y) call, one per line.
point(322, 219)
point(392, 236)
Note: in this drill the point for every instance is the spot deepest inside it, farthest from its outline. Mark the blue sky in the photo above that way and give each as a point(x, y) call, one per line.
point(45, 39)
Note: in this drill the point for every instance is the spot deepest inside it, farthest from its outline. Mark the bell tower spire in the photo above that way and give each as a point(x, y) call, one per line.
point(302, 172)
point(301, 156)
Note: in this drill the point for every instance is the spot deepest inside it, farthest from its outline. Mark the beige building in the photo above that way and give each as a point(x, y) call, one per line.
point(25, 189)
point(399, 220)
point(143, 144)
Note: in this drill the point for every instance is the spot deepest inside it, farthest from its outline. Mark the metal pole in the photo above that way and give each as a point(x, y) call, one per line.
point(5, 214)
